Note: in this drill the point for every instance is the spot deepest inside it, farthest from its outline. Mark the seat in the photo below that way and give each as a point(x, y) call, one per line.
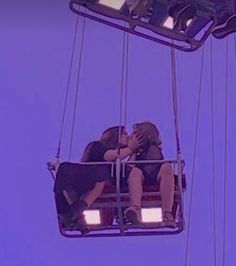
point(111, 205)
point(150, 21)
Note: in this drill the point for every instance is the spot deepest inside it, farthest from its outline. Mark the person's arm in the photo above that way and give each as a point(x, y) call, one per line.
point(133, 144)
point(111, 155)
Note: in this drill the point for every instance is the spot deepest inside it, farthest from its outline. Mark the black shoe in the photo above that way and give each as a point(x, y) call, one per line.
point(81, 225)
point(225, 26)
point(77, 217)
point(77, 208)
point(181, 13)
point(65, 220)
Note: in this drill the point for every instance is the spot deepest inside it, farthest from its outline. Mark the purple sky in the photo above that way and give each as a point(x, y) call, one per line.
point(36, 40)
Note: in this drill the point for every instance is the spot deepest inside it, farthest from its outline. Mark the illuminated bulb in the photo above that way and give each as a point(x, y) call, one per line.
point(189, 22)
point(169, 23)
point(151, 215)
point(92, 217)
point(116, 4)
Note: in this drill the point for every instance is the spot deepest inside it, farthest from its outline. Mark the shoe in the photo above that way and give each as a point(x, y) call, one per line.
point(181, 13)
point(77, 208)
point(77, 217)
point(132, 214)
point(225, 26)
point(80, 224)
point(65, 220)
point(168, 220)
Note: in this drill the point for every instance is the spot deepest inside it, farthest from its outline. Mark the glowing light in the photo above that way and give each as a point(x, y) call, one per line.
point(116, 4)
point(92, 217)
point(189, 22)
point(151, 215)
point(169, 23)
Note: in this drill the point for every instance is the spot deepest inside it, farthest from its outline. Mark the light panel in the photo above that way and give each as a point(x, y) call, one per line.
point(92, 217)
point(189, 22)
point(169, 23)
point(151, 215)
point(116, 4)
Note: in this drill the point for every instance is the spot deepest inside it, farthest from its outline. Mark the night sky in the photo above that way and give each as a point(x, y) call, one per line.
point(35, 49)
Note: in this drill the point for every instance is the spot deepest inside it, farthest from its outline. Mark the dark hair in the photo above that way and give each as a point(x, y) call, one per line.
point(109, 138)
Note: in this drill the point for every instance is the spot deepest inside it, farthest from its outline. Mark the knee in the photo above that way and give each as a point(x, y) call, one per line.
point(166, 170)
point(135, 175)
point(100, 185)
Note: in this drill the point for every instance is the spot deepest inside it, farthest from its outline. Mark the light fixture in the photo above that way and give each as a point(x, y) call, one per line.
point(169, 23)
point(116, 4)
point(92, 217)
point(189, 22)
point(151, 215)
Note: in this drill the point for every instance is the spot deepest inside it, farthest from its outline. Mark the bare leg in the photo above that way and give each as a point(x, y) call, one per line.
point(135, 182)
point(93, 194)
point(166, 187)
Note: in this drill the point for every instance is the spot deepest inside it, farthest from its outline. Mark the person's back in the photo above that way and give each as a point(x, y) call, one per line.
point(94, 152)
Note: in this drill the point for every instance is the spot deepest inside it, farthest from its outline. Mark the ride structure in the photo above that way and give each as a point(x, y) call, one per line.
point(106, 216)
point(151, 21)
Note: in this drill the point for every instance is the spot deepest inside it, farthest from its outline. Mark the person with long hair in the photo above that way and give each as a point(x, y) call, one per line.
point(150, 174)
point(77, 186)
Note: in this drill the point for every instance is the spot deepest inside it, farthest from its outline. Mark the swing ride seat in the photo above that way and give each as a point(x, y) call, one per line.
point(152, 21)
point(106, 216)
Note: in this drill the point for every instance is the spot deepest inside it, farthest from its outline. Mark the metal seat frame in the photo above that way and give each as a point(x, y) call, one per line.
point(118, 200)
point(204, 21)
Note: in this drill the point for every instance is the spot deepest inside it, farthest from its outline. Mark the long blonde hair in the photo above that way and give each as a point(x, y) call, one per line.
point(149, 132)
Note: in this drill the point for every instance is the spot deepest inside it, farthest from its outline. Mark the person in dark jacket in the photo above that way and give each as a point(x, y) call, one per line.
point(77, 186)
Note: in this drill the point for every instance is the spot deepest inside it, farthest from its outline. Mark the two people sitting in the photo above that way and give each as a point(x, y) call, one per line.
point(183, 10)
point(78, 186)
